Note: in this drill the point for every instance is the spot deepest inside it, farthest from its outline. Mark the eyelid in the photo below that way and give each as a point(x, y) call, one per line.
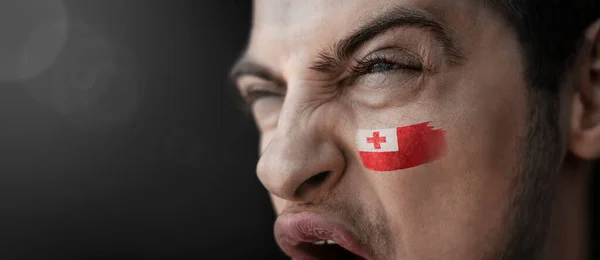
point(412, 63)
point(265, 87)
point(400, 56)
point(253, 92)
point(250, 82)
point(404, 54)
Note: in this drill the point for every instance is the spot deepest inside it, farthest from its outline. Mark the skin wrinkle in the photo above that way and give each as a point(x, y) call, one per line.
point(333, 57)
point(493, 194)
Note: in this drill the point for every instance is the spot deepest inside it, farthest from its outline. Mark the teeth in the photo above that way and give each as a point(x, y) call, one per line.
point(323, 242)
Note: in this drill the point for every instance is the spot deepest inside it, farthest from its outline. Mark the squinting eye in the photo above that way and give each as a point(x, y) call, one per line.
point(265, 105)
point(253, 95)
point(257, 92)
point(382, 64)
point(383, 67)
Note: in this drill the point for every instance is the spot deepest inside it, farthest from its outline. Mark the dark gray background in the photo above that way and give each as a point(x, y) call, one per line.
point(173, 180)
point(170, 177)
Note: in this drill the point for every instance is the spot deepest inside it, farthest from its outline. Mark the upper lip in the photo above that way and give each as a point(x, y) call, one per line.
point(294, 232)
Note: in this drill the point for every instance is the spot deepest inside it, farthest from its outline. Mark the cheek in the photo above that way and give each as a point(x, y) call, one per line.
point(463, 196)
point(455, 201)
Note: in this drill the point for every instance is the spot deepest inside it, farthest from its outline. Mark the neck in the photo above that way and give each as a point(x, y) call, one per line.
point(568, 237)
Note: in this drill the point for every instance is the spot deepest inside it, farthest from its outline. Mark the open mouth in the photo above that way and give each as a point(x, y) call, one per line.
point(326, 249)
point(309, 236)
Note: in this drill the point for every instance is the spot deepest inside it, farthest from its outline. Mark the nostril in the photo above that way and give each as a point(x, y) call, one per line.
point(312, 182)
point(317, 179)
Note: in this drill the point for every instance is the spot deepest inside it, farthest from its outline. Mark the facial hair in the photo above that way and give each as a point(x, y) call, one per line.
point(535, 187)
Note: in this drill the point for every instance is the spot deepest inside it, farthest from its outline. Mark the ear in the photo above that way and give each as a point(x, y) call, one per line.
point(585, 113)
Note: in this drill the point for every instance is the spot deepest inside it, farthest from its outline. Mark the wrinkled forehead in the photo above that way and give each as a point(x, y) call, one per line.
point(285, 28)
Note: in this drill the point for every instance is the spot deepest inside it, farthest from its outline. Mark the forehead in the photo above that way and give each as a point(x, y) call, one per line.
point(289, 27)
point(288, 12)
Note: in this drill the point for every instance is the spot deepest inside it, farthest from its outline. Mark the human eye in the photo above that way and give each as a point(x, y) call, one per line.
point(253, 90)
point(263, 99)
point(375, 68)
point(256, 93)
point(382, 64)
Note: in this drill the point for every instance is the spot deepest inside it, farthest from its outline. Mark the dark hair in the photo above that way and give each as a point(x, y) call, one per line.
point(550, 33)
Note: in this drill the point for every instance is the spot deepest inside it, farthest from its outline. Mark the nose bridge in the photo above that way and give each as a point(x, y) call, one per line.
point(300, 119)
point(301, 159)
point(297, 111)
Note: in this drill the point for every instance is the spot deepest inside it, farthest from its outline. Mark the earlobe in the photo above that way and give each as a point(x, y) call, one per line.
point(585, 111)
point(585, 131)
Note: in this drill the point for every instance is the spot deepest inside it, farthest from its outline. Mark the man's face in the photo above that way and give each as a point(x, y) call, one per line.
point(318, 71)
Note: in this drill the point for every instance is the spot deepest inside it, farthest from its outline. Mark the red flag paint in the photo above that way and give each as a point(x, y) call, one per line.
point(402, 147)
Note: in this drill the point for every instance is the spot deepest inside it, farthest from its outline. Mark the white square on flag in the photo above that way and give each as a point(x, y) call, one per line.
point(379, 140)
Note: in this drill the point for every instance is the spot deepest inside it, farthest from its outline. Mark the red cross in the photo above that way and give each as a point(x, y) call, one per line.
point(376, 140)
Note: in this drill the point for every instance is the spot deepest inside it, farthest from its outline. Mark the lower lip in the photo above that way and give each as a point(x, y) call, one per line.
point(309, 227)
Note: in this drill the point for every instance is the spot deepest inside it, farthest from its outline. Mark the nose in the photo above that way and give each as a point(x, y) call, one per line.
point(302, 162)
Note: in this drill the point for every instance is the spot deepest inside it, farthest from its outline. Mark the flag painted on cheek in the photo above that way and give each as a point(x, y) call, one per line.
point(400, 148)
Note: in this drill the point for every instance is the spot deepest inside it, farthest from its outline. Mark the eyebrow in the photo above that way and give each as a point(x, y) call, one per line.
point(246, 66)
point(331, 59)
